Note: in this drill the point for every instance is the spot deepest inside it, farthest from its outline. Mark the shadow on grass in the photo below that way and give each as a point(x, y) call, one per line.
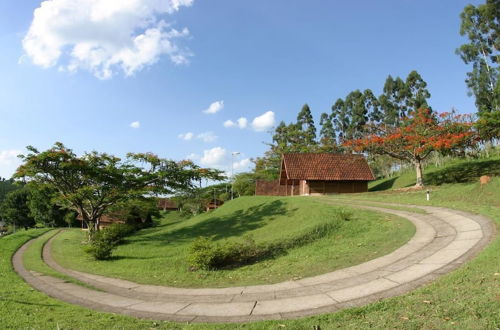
point(26, 303)
point(219, 227)
point(384, 185)
point(464, 172)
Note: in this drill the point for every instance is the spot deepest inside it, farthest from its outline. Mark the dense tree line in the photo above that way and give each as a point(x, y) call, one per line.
point(348, 119)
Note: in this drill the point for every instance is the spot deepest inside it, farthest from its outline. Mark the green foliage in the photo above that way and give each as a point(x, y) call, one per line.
point(94, 182)
point(7, 186)
point(102, 243)
point(244, 184)
point(138, 212)
point(14, 209)
point(205, 254)
point(43, 208)
point(481, 25)
point(488, 126)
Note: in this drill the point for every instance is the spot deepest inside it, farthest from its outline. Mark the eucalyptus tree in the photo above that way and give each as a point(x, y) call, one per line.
point(305, 126)
point(341, 119)
point(416, 93)
point(328, 138)
point(481, 25)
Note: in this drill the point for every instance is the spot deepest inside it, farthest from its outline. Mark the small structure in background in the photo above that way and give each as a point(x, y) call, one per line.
point(167, 204)
point(318, 174)
point(105, 221)
point(213, 204)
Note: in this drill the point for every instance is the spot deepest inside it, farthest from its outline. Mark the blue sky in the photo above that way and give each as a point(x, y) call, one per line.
point(84, 79)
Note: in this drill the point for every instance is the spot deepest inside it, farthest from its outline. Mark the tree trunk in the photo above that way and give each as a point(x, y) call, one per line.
point(418, 169)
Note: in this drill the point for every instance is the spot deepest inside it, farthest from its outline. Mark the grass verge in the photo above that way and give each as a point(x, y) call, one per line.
point(159, 255)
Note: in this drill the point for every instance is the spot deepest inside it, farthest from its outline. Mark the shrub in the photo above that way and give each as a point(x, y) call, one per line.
point(208, 255)
point(102, 244)
point(99, 248)
point(117, 232)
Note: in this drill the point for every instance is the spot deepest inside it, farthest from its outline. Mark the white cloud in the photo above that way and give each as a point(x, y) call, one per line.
point(207, 137)
point(9, 162)
point(229, 123)
point(135, 124)
point(242, 122)
point(214, 107)
point(242, 164)
point(263, 122)
point(102, 36)
point(192, 156)
point(215, 157)
point(186, 136)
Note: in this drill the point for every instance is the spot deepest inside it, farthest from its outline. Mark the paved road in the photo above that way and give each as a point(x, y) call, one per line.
point(443, 241)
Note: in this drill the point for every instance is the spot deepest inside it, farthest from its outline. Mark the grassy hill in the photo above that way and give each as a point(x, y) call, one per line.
point(159, 255)
point(453, 171)
point(467, 298)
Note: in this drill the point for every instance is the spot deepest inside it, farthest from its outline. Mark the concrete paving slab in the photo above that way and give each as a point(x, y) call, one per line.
point(329, 277)
point(473, 234)
point(159, 307)
point(362, 290)
point(443, 256)
point(464, 244)
point(272, 287)
point(413, 272)
point(227, 309)
point(292, 304)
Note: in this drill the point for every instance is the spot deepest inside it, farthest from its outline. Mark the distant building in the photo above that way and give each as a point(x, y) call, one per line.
point(106, 221)
point(213, 204)
point(167, 204)
point(318, 174)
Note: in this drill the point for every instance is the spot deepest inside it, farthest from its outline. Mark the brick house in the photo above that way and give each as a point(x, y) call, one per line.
point(167, 204)
point(319, 174)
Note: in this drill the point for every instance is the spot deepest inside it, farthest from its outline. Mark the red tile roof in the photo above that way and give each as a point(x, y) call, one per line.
point(312, 166)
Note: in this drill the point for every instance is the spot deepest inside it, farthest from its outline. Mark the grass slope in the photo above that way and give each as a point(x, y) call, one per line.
point(467, 298)
point(454, 171)
point(158, 255)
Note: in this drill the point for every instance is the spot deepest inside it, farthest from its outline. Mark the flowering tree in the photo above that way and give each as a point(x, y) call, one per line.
point(92, 183)
point(417, 136)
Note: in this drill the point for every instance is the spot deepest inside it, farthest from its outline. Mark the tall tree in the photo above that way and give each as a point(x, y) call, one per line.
point(481, 25)
point(392, 100)
point(354, 104)
point(305, 125)
point(328, 138)
point(416, 93)
point(418, 135)
point(341, 119)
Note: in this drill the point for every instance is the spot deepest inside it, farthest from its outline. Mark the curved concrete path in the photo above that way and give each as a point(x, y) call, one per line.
point(444, 239)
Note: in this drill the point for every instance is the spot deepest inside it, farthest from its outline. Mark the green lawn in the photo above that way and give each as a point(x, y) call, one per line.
point(453, 171)
point(158, 255)
point(467, 298)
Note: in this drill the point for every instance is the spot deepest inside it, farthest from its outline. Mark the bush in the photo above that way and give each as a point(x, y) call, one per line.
point(99, 248)
point(207, 255)
point(102, 243)
point(117, 232)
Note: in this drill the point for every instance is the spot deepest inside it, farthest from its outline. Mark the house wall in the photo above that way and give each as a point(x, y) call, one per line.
point(337, 187)
point(273, 188)
point(305, 187)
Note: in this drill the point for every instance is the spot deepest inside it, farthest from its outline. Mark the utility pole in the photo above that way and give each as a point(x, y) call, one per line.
point(233, 154)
